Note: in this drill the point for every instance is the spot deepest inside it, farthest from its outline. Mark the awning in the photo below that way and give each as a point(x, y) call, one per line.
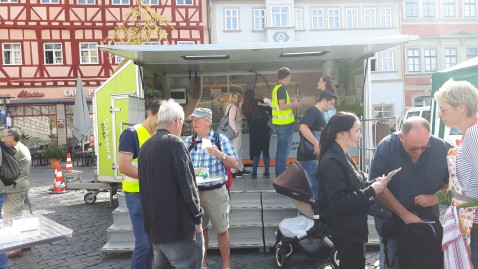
point(246, 57)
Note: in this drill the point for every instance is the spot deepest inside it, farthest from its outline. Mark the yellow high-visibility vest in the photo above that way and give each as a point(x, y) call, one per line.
point(132, 184)
point(281, 117)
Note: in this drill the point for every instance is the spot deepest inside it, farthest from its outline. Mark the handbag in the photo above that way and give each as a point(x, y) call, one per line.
point(307, 147)
point(224, 127)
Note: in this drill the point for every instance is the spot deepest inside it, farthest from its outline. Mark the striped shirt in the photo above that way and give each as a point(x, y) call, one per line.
point(467, 162)
point(201, 158)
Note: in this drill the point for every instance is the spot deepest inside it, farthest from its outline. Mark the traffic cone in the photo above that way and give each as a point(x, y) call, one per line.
point(59, 179)
point(69, 163)
point(56, 182)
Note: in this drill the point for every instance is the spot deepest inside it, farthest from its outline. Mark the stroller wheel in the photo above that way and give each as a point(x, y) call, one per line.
point(334, 257)
point(282, 255)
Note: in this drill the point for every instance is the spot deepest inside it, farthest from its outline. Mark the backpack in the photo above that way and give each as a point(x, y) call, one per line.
point(216, 142)
point(9, 166)
point(419, 245)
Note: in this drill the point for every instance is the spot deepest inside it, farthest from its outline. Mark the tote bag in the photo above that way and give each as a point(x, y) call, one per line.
point(224, 127)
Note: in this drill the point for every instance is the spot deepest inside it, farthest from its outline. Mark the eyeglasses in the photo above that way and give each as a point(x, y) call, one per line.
point(415, 149)
point(442, 110)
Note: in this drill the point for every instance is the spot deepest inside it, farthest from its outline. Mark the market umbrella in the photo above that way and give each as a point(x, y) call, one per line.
point(81, 116)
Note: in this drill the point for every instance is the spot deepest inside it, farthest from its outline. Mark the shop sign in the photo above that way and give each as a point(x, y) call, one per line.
point(27, 94)
point(72, 92)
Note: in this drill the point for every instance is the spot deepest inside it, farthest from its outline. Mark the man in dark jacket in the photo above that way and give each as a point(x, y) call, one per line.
point(410, 195)
point(172, 214)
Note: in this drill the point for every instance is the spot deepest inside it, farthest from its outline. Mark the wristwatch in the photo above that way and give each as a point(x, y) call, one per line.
point(224, 156)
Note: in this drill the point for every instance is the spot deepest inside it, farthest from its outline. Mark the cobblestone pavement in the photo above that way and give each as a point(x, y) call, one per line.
point(89, 223)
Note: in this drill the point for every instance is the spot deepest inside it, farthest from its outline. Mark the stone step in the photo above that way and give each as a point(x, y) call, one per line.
point(119, 235)
point(245, 216)
point(241, 237)
point(118, 247)
point(274, 199)
point(121, 216)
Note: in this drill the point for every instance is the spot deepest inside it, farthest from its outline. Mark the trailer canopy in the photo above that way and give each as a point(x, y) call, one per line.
point(245, 57)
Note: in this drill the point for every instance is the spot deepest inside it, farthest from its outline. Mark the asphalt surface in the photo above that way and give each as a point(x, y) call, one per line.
point(89, 223)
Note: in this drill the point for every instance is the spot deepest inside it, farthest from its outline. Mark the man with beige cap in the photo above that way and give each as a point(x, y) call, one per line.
point(210, 154)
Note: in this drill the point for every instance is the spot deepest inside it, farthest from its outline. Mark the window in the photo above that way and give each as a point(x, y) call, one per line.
point(280, 17)
point(88, 53)
point(383, 111)
point(422, 101)
point(469, 8)
point(184, 2)
point(298, 18)
point(386, 60)
point(431, 58)
point(428, 8)
point(471, 53)
point(53, 53)
point(369, 17)
point(333, 18)
point(451, 57)
point(373, 62)
point(385, 17)
point(413, 59)
point(86, 2)
point(351, 17)
point(449, 8)
point(411, 8)
point(119, 59)
point(259, 19)
point(120, 2)
point(150, 2)
point(8, 1)
point(12, 53)
point(232, 19)
point(317, 19)
point(50, 1)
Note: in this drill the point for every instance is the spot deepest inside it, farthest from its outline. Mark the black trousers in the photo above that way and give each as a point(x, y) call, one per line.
point(351, 254)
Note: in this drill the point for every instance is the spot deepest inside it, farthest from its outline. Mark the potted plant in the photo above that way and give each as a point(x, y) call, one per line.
point(55, 154)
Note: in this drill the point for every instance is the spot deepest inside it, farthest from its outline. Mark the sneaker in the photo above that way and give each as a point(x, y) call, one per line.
point(266, 175)
point(238, 174)
point(246, 173)
point(254, 176)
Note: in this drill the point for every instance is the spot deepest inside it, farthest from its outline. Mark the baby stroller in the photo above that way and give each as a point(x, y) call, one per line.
point(302, 233)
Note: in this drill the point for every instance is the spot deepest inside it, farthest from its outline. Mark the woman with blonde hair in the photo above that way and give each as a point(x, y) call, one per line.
point(458, 107)
point(235, 121)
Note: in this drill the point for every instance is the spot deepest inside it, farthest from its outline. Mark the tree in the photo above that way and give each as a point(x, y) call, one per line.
point(141, 25)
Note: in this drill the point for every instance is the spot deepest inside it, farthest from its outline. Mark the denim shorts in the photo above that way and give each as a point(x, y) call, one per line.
point(180, 255)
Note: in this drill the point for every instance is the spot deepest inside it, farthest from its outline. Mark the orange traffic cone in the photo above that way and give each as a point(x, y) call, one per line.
point(56, 182)
point(69, 163)
point(59, 179)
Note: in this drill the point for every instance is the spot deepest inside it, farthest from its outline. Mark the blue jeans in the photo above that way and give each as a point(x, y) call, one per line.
point(143, 251)
point(180, 255)
point(474, 248)
point(3, 256)
point(310, 168)
point(284, 142)
point(255, 163)
point(392, 247)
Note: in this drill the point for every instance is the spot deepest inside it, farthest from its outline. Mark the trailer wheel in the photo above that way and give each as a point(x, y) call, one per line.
point(334, 257)
point(90, 198)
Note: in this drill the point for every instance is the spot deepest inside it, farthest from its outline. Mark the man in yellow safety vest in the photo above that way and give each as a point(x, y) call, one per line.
point(283, 118)
point(131, 141)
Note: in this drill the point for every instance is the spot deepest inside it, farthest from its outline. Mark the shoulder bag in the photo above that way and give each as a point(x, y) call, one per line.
point(224, 127)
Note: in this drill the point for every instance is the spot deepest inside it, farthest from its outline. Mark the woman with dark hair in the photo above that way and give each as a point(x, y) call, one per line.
point(325, 84)
point(257, 114)
point(344, 195)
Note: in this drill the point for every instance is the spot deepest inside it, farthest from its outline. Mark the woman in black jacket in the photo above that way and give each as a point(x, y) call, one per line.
point(344, 197)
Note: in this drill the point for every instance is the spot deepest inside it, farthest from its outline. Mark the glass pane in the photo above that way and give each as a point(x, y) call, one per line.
point(44, 110)
point(52, 110)
point(16, 110)
point(69, 109)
